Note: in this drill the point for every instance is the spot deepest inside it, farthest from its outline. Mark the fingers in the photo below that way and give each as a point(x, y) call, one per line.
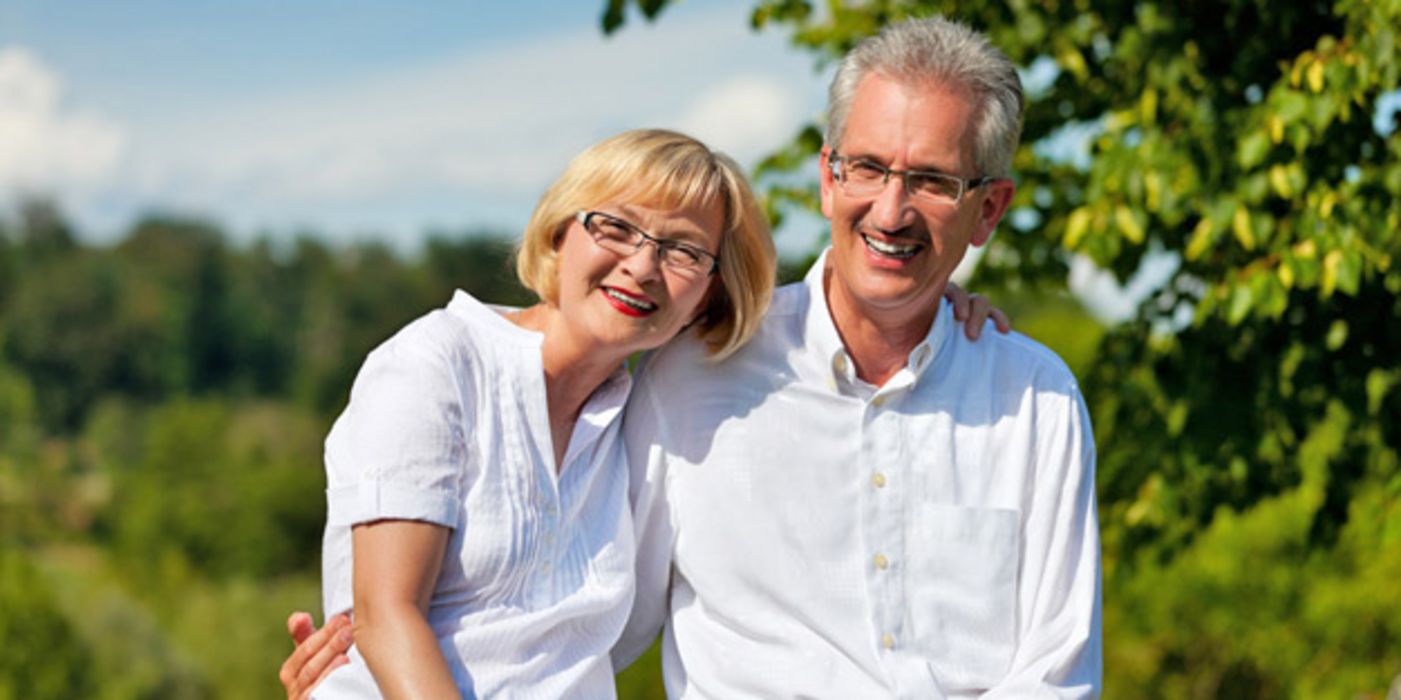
point(317, 654)
point(300, 626)
point(977, 316)
point(1000, 318)
point(960, 300)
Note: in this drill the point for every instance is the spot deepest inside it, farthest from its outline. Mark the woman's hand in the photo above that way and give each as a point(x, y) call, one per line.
point(974, 310)
point(318, 652)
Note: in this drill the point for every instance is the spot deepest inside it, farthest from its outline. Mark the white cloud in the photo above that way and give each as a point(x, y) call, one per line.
point(43, 144)
point(492, 125)
point(748, 114)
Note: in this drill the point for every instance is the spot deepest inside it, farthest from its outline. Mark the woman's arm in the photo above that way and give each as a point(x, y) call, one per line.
point(396, 566)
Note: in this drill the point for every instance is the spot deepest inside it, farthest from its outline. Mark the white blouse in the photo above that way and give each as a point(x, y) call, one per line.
point(447, 424)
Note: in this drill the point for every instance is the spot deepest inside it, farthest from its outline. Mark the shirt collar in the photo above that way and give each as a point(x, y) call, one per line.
point(606, 402)
point(822, 340)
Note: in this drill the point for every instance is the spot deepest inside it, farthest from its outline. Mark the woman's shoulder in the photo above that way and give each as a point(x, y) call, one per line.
point(454, 334)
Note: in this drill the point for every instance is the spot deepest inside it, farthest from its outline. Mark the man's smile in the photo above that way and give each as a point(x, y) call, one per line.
point(888, 249)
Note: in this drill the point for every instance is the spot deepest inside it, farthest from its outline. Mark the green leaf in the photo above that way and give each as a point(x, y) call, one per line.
point(1379, 384)
point(1129, 224)
point(1076, 226)
point(1349, 272)
point(613, 15)
point(1241, 227)
point(1253, 149)
point(1241, 301)
point(1203, 235)
point(1337, 335)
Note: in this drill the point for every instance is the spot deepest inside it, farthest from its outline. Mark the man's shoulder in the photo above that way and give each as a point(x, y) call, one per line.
point(685, 358)
point(1011, 361)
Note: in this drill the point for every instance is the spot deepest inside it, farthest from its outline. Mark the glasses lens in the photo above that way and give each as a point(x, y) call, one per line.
point(612, 234)
point(862, 176)
point(934, 186)
point(684, 259)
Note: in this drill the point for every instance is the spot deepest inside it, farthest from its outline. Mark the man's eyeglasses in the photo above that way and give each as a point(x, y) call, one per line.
point(861, 177)
point(622, 238)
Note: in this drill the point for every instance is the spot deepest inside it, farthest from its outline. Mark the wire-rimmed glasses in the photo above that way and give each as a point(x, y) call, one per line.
point(620, 237)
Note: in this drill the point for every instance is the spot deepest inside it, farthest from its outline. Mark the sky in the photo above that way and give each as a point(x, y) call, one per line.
point(390, 120)
point(360, 119)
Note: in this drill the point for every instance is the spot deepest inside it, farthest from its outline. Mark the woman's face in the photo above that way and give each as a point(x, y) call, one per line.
point(631, 301)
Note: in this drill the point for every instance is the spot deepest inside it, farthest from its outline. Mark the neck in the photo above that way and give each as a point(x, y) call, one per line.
point(573, 371)
point(879, 340)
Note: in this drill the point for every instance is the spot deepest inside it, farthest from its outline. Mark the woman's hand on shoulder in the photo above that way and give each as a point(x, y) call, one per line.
point(974, 310)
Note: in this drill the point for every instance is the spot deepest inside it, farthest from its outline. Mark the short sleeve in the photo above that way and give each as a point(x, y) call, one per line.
point(399, 449)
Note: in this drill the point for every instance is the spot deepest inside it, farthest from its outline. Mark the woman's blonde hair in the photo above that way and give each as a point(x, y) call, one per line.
point(668, 170)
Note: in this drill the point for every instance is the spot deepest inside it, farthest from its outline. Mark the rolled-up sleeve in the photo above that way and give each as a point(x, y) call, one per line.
point(398, 451)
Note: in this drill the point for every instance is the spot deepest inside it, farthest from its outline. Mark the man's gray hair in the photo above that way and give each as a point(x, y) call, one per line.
point(938, 51)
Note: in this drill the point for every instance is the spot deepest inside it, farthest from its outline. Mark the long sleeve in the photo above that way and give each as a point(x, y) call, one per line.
point(643, 433)
point(1059, 650)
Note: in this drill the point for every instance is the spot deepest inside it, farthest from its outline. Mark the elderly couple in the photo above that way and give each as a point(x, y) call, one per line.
point(827, 491)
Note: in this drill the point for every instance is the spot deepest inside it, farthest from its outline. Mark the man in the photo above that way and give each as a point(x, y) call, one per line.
point(862, 503)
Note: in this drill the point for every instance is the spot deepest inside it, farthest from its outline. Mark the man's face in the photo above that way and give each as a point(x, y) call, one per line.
point(892, 254)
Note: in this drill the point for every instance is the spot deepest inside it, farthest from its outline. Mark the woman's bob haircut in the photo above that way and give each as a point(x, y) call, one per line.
point(663, 170)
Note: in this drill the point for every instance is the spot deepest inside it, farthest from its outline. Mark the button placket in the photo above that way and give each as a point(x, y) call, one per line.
point(883, 539)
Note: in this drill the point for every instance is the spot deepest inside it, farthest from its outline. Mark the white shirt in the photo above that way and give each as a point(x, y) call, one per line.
point(447, 423)
point(933, 537)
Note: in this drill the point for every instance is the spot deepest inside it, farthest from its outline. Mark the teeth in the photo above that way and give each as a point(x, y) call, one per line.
point(634, 303)
point(890, 249)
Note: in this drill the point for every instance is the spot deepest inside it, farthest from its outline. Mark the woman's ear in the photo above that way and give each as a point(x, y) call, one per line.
point(558, 238)
point(711, 303)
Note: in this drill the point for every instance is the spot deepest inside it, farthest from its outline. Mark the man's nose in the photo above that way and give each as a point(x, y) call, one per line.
point(890, 209)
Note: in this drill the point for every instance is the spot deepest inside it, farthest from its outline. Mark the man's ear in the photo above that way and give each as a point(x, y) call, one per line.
point(996, 199)
point(826, 180)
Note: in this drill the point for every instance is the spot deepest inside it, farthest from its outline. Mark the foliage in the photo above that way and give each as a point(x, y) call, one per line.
point(43, 657)
point(1247, 417)
point(162, 406)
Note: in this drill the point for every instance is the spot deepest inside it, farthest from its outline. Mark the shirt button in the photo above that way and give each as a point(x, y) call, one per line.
point(881, 562)
point(879, 401)
point(878, 480)
point(887, 640)
point(840, 363)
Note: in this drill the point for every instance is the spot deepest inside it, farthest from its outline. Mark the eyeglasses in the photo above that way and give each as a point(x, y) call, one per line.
point(622, 238)
point(861, 177)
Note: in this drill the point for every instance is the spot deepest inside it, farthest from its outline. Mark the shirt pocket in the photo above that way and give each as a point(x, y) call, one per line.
point(961, 584)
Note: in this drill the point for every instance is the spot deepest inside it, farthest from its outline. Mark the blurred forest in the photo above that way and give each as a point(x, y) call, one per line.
point(162, 406)
point(163, 399)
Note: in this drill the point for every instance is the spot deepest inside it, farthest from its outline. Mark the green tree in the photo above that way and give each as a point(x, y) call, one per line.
point(43, 657)
point(1247, 418)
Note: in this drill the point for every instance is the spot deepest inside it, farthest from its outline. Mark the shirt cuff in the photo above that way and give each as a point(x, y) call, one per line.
point(386, 500)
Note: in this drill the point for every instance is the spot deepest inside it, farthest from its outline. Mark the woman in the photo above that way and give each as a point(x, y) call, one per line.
point(477, 515)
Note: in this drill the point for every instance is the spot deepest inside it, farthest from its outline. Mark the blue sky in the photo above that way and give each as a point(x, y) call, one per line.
point(379, 119)
point(365, 118)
